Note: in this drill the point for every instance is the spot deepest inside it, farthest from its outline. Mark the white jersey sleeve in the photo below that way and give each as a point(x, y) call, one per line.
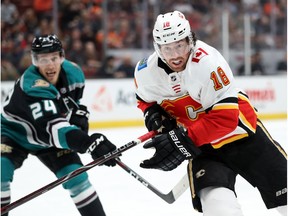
point(211, 75)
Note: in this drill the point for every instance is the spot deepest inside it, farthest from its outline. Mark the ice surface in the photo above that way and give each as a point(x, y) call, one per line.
point(121, 194)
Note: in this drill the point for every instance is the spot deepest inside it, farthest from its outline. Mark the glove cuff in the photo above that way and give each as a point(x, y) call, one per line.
point(183, 144)
point(178, 145)
point(78, 140)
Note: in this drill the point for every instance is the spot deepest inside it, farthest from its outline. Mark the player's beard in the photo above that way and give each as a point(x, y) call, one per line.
point(177, 64)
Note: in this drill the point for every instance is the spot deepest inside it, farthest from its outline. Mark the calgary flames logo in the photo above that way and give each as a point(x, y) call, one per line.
point(183, 108)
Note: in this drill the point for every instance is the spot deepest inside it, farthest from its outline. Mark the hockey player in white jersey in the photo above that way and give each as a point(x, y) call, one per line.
point(187, 89)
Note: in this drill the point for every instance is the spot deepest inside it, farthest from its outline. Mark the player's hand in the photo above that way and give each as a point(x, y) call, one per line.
point(156, 118)
point(172, 149)
point(80, 118)
point(100, 146)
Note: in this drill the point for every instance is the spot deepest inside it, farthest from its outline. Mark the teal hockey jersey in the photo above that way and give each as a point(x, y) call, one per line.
point(35, 113)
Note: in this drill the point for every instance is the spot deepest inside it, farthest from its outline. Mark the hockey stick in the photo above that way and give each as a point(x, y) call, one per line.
point(170, 197)
point(78, 171)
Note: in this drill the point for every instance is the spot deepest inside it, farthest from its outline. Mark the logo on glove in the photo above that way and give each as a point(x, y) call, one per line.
point(83, 113)
point(177, 143)
point(94, 144)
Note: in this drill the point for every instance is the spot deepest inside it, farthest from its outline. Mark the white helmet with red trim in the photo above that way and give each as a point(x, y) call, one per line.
point(171, 27)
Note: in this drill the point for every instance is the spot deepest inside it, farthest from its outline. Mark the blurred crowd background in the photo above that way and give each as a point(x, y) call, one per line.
point(108, 37)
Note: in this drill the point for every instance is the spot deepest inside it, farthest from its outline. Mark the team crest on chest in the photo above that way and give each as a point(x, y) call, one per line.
point(41, 83)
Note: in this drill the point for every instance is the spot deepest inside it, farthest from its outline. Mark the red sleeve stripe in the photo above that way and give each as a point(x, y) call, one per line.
point(143, 105)
point(246, 122)
point(243, 97)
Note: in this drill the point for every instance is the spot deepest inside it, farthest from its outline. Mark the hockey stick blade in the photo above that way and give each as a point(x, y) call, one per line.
point(78, 171)
point(170, 197)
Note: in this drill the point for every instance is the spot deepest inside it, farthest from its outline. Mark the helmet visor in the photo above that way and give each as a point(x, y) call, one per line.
point(178, 48)
point(46, 59)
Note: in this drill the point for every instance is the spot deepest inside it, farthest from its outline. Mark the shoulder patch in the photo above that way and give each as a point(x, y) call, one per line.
point(41, 83)
point(142, 64)
point(198, 54)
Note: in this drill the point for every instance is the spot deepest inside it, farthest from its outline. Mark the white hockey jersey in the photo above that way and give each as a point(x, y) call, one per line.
point(203, 97)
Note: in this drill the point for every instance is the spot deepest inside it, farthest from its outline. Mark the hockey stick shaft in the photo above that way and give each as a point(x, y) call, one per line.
point(77, 172)
point(170, 197)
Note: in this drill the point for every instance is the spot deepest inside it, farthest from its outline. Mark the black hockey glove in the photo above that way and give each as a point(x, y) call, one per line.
point(156, 117)
point(172, 149)
point(100, 146)
point(80, 118)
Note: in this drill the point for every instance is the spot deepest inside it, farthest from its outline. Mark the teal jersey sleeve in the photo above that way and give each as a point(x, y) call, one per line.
point(35, 113)
point(74, 73)
point(75, 78)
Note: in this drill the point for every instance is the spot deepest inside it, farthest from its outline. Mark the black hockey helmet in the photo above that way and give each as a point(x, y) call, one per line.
point(46, 44)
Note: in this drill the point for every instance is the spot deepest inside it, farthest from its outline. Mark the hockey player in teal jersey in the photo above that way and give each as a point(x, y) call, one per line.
point(43, 116)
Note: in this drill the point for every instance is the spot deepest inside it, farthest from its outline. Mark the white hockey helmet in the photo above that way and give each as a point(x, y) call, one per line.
point(171, 27)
